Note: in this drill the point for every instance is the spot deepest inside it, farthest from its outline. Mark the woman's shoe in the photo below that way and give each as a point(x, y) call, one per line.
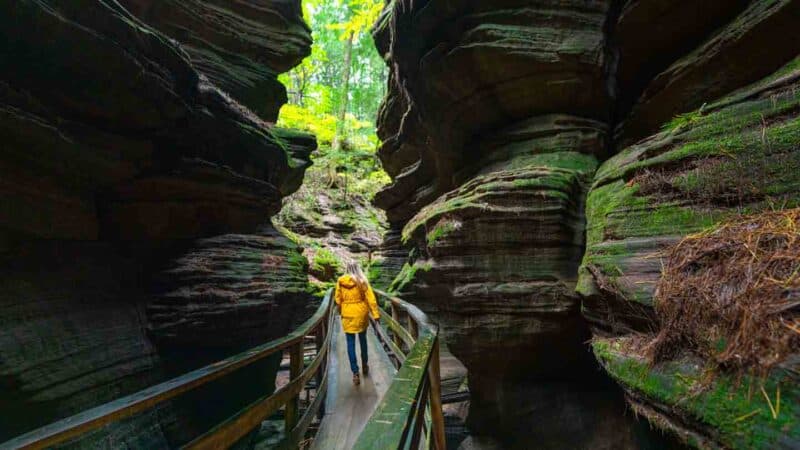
point(356, 379)
point(366, 370)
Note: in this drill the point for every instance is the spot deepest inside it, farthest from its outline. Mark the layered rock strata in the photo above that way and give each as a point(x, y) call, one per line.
point(235, 287)
point(118, 154)
point(453, 90)
point(498, 116)
point(241, 46)
point(740, 154)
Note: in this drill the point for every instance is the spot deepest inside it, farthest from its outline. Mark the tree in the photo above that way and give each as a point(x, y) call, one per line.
point(348, 63)
point(336, 92)
point(363, 14)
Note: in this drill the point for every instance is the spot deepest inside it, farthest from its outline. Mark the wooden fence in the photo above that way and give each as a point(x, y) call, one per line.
point(410, 414)
point(232, 430)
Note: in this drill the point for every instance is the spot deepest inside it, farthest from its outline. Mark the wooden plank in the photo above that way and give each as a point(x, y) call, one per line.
point(395, 354)
point(415, 313)
point(431, 423)
point(394, 323)
point(399, 331)
point(349, 407)
point(99, 416)
point(398, 352)
point(419, 417)
point(437, 416)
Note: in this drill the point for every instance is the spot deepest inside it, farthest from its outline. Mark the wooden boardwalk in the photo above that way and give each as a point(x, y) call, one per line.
point(349, 407)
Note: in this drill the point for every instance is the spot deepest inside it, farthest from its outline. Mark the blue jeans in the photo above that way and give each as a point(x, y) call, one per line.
point(351, 350)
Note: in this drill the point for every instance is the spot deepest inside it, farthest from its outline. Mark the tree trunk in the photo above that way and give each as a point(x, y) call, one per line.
point(339, 136)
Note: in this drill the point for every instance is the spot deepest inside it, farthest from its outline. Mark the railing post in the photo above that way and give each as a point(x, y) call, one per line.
point(321, 334)
point(437, 416)
point(295, 369)
point(413, 327)
point(396, 317)
point(419, 419)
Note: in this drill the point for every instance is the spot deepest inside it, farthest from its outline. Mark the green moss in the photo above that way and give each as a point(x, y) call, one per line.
point(325, 261)
point(729, 131)
point(407, 275)
point(320, 288)
point(443, 228)
point(439, 209)
point(682, 120)
point(553, 175)
point(738, 411)
point(615, 211)
point(296, 260)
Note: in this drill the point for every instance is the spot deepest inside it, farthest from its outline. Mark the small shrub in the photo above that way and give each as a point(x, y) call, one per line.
point(325, 265)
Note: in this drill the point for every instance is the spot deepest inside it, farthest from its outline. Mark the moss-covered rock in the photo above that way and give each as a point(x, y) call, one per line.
point(707, 410)
point(738, 155)
point(493, 126)
point(325, 265)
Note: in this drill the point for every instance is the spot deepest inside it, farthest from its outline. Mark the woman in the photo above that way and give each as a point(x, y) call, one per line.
point(356, 300)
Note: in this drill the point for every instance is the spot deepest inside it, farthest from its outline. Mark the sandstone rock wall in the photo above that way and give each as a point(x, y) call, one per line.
point(131, 166)
point(241, 46)
point(510, 134)
point(741, 154)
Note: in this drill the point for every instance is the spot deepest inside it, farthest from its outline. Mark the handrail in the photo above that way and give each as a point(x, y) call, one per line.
point(320, 323)
point(412, 405)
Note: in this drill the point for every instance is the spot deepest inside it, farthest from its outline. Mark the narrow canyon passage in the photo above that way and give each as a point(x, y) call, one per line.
point(595, 200)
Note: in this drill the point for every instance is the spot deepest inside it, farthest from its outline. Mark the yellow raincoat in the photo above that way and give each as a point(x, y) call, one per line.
point(355, 305)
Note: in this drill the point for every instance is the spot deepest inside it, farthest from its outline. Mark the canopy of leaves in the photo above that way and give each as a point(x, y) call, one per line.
point(340, 185)
point(316, 86)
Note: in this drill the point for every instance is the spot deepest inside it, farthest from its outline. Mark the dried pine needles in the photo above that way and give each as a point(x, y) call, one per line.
point(732, 295)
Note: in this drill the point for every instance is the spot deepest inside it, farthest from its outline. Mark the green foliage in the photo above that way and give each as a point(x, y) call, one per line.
point(322, 124)
point(365, 13)
point(316, 96)
point(325, 259)
point(315, 87)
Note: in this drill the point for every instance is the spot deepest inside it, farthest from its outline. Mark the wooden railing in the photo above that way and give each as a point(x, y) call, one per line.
point(232, 430)
point(410, 413)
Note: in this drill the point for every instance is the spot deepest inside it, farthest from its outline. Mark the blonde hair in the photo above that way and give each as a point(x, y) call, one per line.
point(354, 270)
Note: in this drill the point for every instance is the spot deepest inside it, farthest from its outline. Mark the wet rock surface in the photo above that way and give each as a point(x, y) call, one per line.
point(740, 154)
